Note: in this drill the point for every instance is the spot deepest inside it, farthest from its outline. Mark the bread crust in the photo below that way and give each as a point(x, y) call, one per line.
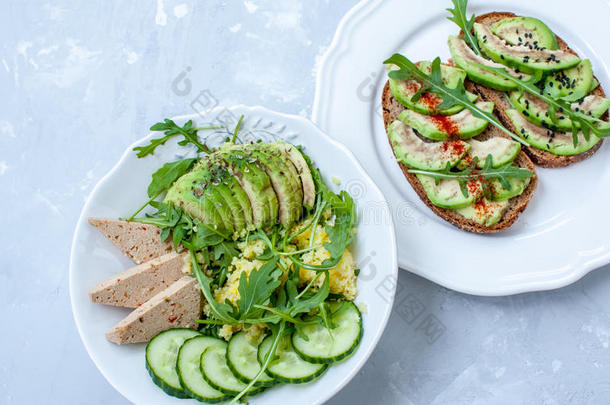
point(540, 157)
point(392, 108)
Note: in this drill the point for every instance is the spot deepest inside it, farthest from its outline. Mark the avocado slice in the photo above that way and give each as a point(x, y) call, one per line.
point(404, 90)
point(522, 57)
point(526, 31)
point(517, 186)
point(284, 180)
point(301, 166)
point(502, 151)
point(234, 195)
point(485, 212)
point(557, 143)
point(447, 193)
point(200, 199)
point(570, 84)
point(594, 84)
point(255, 183)
point(417, 154)
point(536, 110)
point(463, 125)
point(465, 58)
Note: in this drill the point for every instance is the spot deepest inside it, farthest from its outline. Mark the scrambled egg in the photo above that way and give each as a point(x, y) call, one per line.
point(342, 277)
point(229, 290)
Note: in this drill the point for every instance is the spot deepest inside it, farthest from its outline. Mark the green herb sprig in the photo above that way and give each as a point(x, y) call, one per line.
point(484, 175)
point(450, 96)
point(586, 123)
point(458, 16)
point(162, 180)
point(171, 129)
point(237, 128)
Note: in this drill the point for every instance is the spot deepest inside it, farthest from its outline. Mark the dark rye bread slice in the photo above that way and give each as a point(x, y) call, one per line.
point(540, 157)
point(392, 108)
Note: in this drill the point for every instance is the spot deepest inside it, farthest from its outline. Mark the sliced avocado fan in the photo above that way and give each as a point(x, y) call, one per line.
point(284, 180)
point(248, 172)
point(234, 195)
point(241, 188)
point(194, 193)
point(301, 166)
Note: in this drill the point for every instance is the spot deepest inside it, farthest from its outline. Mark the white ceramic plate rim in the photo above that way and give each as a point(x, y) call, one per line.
point(82, 222)
point(340, 45)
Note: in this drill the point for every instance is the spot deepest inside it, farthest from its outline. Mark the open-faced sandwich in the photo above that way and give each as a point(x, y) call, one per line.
point(470, 173)
point(543, 91)
point(244, 278)
point(467, 133)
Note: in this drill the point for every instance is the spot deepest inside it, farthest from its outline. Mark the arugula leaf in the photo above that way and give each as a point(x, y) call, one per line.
point(458, 16)
point(224, 252)
point(171, 129)
point(190, 232)
point(205, 236)
point(587, 123)
point(310, 300)
point(340, 233)
point(256, 288)
point(237, 128)
point(221, 311)
point(488, 172)
point(167, 216)
point(163, 178)
point(450, 96)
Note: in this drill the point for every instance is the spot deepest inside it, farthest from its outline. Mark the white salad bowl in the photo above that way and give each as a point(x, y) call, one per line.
point(123, 189)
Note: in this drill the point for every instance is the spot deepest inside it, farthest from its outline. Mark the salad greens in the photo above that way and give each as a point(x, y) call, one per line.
point(458, 16)
point(171, 129)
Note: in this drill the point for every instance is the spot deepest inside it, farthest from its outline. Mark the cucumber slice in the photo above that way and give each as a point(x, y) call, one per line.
point(216, 372)
point(288, 366)
point(189, 371)
point(242, 360)
point(161, 356)
point(325, 347)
